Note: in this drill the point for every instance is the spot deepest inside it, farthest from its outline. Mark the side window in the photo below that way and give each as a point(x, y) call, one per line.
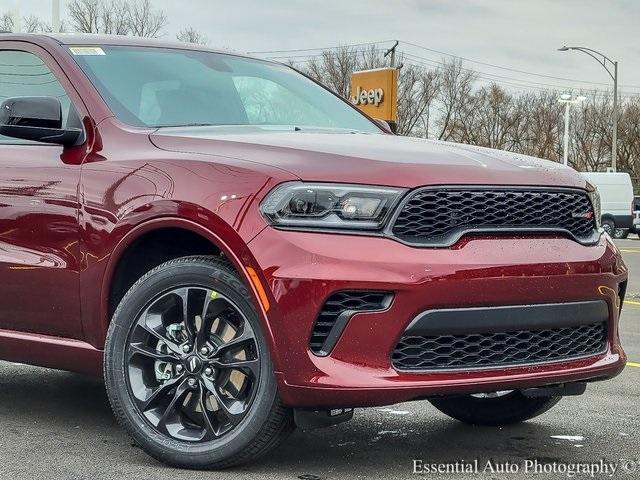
point(23, 74)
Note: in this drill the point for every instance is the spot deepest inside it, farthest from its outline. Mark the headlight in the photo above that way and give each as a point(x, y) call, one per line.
point(594, 195)
point(328, 205)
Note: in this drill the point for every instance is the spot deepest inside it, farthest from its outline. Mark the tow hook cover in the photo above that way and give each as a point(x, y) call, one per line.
point(561, 390)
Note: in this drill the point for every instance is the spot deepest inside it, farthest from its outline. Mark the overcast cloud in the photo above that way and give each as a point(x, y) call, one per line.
point(513, 33)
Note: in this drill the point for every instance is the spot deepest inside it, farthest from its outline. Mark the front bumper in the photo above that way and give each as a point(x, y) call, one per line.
point(303, 269)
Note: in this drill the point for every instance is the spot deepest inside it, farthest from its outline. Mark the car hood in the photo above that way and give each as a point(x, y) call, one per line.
point(378, 159)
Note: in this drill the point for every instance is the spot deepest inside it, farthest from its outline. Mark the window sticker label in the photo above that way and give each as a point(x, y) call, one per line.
point(83, 51)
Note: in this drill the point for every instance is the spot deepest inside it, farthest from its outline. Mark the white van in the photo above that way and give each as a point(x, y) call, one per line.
point(616, 197)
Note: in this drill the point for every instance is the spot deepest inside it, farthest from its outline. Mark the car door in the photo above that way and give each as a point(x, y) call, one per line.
point(39, 253)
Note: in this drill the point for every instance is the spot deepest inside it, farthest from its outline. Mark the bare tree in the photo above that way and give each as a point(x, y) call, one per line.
point(629, 137)
point(114, 18)
point(417, 90)
point(84, 15)
point(456, 87)
point(34, 24)
point(490, 118)
point(119, 17)
point(144, 21)
point(334, 69)
point(190, 35)
point(7, 23)
point(592, 145)
point(542, 137)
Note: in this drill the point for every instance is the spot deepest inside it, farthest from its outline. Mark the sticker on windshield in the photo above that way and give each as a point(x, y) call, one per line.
point(82, 51)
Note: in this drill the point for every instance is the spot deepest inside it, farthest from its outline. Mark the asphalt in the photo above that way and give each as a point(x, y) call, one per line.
point(58, 425)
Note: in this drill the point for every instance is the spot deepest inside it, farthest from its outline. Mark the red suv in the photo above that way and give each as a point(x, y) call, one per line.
point(240, 251)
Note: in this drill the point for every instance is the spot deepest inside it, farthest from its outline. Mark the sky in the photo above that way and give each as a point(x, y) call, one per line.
point(517, 34)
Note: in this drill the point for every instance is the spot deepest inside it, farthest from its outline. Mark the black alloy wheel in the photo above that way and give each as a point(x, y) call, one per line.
point(193, 364)
point(188, 370)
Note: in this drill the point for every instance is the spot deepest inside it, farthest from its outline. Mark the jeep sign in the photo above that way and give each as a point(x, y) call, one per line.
point(375, 92)
point(371, 97)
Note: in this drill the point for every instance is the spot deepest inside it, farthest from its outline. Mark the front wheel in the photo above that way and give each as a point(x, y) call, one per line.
point(608, 226)
point(188, 371)
point(620, 233)
point(497, 408)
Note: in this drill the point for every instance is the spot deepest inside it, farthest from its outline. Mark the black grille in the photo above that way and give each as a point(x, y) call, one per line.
point(442, 215)
point(500, 349)
point(337, 311)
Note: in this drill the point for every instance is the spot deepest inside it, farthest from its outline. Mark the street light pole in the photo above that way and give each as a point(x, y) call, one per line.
point(568, 100)
point(614, 139)
point(17, 19)
point(602, 59)
point(55, 15)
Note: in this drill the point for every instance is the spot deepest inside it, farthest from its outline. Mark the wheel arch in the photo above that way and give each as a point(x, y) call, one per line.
point(608, 216)
point(232, 247)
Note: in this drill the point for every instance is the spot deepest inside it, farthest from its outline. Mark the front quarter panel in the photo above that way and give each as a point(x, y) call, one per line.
point(129, 187)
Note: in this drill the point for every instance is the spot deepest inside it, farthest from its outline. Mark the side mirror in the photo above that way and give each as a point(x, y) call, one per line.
point(384, 125)
point(38, 119)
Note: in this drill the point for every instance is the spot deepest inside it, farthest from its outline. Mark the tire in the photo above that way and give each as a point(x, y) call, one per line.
point(513, 407)
point(620, 233)
point(608, 226)
point(185, 425)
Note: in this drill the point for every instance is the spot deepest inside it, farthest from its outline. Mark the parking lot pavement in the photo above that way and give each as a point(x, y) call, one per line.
point(58, 425)
point(630, 249)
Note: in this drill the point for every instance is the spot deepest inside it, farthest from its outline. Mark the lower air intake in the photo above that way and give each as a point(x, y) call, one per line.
point(336, 313)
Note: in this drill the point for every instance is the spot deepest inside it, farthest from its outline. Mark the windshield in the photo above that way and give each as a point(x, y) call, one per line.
point(158, 87)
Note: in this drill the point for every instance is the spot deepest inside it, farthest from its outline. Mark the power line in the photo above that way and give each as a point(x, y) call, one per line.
point(541, 75)
point(483, 77)
point(315, 55)
point(310, 57)
point(320, 48)
point(501, 78)
point(510, 69)
point(489, 75)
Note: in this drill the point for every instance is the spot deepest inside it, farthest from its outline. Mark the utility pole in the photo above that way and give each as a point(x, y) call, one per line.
point(568, 100)
point(55, 15)
point(392, 52)
point(602, 59)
